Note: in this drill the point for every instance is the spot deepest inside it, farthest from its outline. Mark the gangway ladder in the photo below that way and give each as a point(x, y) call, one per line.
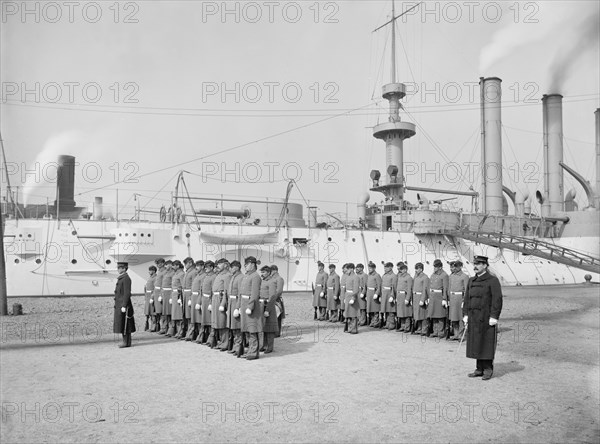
point(532, 246)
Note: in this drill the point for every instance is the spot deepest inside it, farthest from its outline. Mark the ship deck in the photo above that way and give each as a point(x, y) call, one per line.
point(63, 379)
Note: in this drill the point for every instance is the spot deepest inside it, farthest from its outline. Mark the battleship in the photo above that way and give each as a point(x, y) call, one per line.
point(61, 249)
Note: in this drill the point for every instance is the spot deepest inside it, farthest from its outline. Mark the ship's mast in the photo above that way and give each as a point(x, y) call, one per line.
point(394, 131)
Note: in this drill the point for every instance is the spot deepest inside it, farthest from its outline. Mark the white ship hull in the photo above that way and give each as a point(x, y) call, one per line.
point(46, 257)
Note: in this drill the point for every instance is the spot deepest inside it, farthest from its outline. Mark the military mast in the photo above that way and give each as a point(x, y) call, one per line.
point(394, 131)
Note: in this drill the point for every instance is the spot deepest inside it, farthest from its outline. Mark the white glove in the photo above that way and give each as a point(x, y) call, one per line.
point(152, 301)
point(221, 308)
point(406, 302)
point(322, 294)
point(336, 297)
point(189, 303)
point(209, 307)
point(391, 299)
point(362, 295)
point(493, 322)
point(375, 296)
point(427, 301)
point(444, 304)
point(462, 304)
point(197, 306)
point(160, 299)
point(248, 311)
point(351, 301)
point(421, 303)
point(123, 310)
point(170, 301)
point(465, 319)
point(266, 313)
point(180, 302)
point(236, 313)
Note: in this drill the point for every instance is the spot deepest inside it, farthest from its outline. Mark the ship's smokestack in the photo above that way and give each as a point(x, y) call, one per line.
point(65, 183)
point(491, 124)
point(98, 212)
point(553, 152)
point(312, 217)
point(597, 114)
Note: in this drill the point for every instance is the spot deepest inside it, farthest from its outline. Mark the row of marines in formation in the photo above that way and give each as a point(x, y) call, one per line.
point(425, 305)
point(215, 304)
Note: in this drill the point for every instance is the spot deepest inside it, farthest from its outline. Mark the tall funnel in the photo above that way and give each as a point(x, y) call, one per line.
point(65, 183)
point(491, 124)
point(553, 152)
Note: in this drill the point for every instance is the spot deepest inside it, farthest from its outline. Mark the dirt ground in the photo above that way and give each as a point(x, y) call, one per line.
point(63, 379)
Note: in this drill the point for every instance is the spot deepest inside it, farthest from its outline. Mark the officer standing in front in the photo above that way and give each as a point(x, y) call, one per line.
point(373, 296)
point(123, 321)
point(481, 311)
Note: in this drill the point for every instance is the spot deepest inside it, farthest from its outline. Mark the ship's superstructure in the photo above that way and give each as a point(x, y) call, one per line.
point(62, 249)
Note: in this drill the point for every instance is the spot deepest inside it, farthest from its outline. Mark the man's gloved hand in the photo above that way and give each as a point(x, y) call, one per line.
point(406, 302)
point(248, 311)
point(152, 301)
point(322, 294)
point(197, 306)
point(189, 303)
point(209, 307)
point(236, 313)
point(465, 319)
point(170, 301)
point(221, 308)
point(362, 295)
point(160, 299)
point(123, 309)
point(266, 313)
point(444, 304)
point(493, 322)
point(421, 303)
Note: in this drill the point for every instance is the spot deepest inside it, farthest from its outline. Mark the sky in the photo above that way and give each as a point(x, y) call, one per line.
point(245, 95)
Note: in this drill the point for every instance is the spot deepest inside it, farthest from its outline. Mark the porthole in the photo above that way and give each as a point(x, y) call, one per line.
point(353, 240)
point(74, 233)
point(134, 234)
point(74, 261)
point(17, 261)
point(329, 239)
point(297, 262)
point(108, 261)
point(149, 235)
point(38, 261)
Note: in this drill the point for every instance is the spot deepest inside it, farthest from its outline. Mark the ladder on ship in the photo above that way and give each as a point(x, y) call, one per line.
point(532, 246)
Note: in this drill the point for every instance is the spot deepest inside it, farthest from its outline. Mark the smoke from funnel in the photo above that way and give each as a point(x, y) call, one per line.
point(586, 39)
point(43, 173)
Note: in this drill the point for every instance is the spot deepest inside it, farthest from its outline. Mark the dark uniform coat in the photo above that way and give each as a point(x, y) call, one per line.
point(160, 273)
point(458, 283)
point(167, 291)
point(268, 293)
point(207, 283)
point(438, 284)
point(148, 291)
point(190, 274)
point(373, 288)
point(219, 299)
point(388, 290)
point(233, 293)
point(177, 295)
point(279, 283)
point(123, 299)
point(482, 302)
point(333, 291)
point(250, 293)
point(420, 294)
point(320, 287)
point(351, 310)
point(196, 307)
point(404, 292)
point(362, 290)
